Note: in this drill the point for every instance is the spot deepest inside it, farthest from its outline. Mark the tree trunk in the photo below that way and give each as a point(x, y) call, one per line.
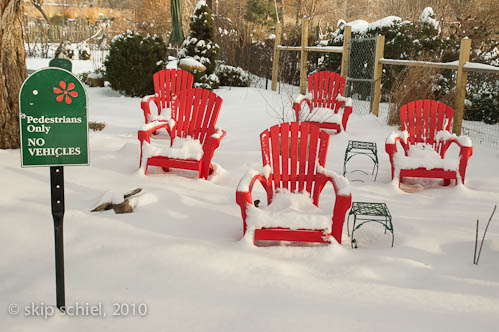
point(12, 71)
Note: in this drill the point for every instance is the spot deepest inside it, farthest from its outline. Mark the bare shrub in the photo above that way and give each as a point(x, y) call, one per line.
point(415, 83)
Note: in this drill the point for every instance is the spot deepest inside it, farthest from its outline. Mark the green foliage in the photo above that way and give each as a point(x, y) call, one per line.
point(201, 45)
point(404, 40)
point(132, 61)
point(484, 100)
point(260, 12)
point(232, 76)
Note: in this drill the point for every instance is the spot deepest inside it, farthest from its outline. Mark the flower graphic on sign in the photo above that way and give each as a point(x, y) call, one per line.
point(65, 92)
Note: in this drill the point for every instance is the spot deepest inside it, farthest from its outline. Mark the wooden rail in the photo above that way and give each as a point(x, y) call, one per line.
point(303, 49)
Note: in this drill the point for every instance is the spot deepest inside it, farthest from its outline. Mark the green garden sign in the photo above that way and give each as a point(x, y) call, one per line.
point(54, 132)
point(53, 119)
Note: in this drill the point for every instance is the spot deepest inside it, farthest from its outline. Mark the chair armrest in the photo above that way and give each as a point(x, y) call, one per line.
point(466, 148)
point(391, 142)
point(347, 110)
point(343, 200)
point(245, 187)
point(145, 105)
point(213, 139)
point(145, 134)
point(297, 104)
point(391, 146)
point(340, 183)
point(446, 139)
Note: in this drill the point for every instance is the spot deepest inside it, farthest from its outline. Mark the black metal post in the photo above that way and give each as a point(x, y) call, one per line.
point(57, 199)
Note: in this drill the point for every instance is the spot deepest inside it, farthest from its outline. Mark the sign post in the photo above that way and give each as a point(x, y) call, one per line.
point(54, 132)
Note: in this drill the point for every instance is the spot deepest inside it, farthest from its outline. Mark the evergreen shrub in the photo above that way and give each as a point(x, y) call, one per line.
point(132, 61)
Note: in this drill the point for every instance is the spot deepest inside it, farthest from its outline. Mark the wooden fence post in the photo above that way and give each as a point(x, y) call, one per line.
point(303, 62)
point(275, 59)
point(462, 76)
point(346, 48)
point(378, 71)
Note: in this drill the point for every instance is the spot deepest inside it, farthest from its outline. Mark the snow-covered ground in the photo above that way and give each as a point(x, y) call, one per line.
point(180, 251)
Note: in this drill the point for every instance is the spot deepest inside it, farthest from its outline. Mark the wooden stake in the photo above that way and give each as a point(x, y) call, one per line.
point(275, 59)
point(378, 71)
point(462, 76)
point(346, 48)
point(303, 64)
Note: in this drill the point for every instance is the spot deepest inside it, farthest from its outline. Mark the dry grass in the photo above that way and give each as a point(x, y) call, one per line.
point(96, 126)
point(415, 83)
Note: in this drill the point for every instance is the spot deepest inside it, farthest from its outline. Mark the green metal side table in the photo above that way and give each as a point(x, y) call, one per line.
point(357, 148)
point(369, 212)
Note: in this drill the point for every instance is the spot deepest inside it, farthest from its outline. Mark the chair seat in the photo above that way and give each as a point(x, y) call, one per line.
point(166, 114)
point(423, 155)
point(182, 148)
point(289, 210)
point(321, 114)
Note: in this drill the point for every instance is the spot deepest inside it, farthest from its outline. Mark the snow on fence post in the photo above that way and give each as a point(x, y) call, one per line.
point(378, 71)
point(462, 76)
point(303, 62)
point(346, 48)
point(275, 59)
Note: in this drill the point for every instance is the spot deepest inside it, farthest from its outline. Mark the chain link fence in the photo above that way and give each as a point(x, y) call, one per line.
point(360, 74)
point(481, 118)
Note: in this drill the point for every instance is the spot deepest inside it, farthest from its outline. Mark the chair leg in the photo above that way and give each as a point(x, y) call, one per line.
point(446, 182)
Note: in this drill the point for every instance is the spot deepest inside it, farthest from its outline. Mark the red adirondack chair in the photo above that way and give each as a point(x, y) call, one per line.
point(167, 83)
point(425, 137)
point(193, 137)
point(324, 101)
point(294, 155)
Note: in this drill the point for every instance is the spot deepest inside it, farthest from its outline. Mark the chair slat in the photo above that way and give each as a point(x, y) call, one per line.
point(294, 155)
point(303, 155)
point(410, 118)
point(285, 154)
point(274, 138)
point(426, 122)
point(312, 156)
point(418, 113)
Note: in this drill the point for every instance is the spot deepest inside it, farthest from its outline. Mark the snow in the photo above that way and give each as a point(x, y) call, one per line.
point(291, 210)
point(384, 22)
point(475, 65)
point(428, 16)
point(445, 136)
point(244, 184)
point(341, 182)
point(181, 148)
point(180, 251)
point(200, 4)
point(423, 155)
point(359, 26)
point(321, 114)
point(191, 62)
point(404, 135)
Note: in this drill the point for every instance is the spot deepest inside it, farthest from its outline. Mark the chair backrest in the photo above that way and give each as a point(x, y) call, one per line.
point(293, 150)
point(169, 82)
point(424, 118)
point(61, 63)
point(325, 87)
point(195, 112)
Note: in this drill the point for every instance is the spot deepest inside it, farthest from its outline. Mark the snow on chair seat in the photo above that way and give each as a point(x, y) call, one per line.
point(293, 177)
point(423, 156)
point(324, 101)
point(181, 148)
point(193, 137)
point(425, 138)
point(292, 210)
point(167, 83)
